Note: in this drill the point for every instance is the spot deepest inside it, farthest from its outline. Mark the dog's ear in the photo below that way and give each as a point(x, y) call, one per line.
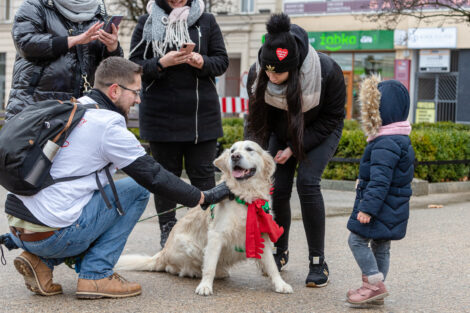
point(269, 165)
point(222, 161)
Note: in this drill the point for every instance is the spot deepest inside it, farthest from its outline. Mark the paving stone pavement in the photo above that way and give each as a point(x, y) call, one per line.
point(429, 271)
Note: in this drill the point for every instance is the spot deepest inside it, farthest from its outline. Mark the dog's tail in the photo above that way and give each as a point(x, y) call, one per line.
point(136, 262)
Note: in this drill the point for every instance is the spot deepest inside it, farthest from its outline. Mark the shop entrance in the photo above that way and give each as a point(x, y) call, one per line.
point(358, 65)
point(348, 80)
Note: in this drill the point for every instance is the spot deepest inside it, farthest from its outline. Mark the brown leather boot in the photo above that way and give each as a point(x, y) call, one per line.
point(113, 286)
point(37, 276)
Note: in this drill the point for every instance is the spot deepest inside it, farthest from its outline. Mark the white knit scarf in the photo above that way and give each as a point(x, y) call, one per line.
point(165, 31)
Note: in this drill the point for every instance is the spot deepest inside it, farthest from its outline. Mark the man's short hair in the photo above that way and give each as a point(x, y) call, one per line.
point(116, 70)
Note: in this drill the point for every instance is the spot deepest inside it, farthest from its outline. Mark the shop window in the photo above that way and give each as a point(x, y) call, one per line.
point(440, 89)
point(344, 60)
point(366, 64)
point(247, 6)
point(426, 88)
point(232, 78)
point(5, 10)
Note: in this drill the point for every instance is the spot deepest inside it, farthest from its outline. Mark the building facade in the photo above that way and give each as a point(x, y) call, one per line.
point(431, 59)
point(7, 48)
point(242, 24)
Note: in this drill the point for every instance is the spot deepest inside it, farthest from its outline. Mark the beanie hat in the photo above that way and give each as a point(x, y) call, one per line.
point(279, 53)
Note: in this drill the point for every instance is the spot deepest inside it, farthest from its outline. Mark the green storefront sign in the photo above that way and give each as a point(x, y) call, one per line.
point(352, 40)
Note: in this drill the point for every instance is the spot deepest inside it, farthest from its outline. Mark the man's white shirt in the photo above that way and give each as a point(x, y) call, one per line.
point(100, 138)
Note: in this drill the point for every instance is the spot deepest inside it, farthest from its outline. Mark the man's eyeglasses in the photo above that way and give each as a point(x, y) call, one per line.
point(135, 91)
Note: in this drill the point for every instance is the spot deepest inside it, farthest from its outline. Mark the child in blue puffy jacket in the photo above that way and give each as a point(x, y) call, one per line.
point(383, 191)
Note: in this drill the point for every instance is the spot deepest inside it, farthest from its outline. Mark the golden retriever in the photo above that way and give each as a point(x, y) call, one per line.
point(203, 243)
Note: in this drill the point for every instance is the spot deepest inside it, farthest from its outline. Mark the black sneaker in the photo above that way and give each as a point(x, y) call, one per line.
point(318, 273)
point(165, 230)
point(281, 257)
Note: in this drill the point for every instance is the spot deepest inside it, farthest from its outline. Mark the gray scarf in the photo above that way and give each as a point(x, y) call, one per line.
point(165, 31)
point(310, 82)
point(77, 10)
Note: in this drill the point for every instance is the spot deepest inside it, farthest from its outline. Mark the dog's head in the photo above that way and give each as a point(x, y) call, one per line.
point(247, 169)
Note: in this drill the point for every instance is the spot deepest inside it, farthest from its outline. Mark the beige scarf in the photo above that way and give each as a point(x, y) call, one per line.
point(311, 86)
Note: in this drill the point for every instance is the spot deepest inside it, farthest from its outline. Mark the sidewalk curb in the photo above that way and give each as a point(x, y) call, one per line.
point(416, 203)
point(420, 187)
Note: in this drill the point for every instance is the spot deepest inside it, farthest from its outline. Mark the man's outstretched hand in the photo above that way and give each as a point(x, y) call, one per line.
point(215, 195)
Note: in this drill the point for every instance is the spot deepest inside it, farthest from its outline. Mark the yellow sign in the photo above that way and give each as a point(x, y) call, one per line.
point(425, 112)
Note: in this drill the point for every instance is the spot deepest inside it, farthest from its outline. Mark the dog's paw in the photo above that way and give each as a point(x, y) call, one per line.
point(283, 288)
point(204, 289)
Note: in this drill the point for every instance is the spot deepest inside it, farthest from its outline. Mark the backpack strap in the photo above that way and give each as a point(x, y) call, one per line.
point(100, 187)
point(113, 188)
point(69, 122)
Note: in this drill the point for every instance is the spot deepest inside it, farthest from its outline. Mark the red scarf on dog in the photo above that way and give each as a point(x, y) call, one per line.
point(258, 221)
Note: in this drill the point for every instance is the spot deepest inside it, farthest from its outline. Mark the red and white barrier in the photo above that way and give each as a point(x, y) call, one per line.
point(233, 104)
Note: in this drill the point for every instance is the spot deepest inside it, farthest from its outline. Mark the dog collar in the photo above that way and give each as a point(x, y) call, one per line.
point(264, 206)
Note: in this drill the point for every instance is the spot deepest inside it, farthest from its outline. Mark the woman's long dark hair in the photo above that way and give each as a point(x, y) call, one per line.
point(258, 112)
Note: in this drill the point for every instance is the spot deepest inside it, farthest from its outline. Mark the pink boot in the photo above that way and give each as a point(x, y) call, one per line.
point(353, 291)
point(372, 290)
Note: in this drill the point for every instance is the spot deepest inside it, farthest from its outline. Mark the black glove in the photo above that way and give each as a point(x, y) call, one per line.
point(215, 195)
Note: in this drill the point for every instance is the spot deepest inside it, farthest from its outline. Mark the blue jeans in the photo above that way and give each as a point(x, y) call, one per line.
point(373, 259)
point(99, 231)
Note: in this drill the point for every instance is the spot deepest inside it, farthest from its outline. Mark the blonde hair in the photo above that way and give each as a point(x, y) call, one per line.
point(369, 97)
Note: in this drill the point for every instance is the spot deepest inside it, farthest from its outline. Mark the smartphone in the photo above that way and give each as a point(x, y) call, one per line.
point(187, 48)
point(115, 19)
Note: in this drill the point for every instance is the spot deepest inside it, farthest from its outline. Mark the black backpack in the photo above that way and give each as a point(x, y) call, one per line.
point(24, 167)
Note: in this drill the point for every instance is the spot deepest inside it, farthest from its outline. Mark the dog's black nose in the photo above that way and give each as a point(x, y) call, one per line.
point(236, 157)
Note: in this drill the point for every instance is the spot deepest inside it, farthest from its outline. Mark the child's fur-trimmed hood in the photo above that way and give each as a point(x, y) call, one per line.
point(382, 103)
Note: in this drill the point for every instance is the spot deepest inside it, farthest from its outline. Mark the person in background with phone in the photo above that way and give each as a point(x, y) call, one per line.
point(59, 45)
point(180, 113)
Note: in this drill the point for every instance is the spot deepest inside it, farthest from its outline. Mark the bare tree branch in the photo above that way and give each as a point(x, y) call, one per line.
point(388, 13)
point(133, 9)
point(136, 8)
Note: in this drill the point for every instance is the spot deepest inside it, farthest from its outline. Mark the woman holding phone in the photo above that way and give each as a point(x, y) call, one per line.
point(59, 45)
point(182, 50)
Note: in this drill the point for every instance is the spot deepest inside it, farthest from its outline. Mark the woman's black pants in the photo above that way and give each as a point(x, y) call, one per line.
point(197, 159)
point(309, 175)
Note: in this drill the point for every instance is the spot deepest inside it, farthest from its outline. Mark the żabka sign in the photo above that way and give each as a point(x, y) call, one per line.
point(350, 6)
point(352, 40)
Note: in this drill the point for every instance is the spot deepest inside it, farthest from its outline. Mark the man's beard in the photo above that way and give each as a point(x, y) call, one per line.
point(121, 110)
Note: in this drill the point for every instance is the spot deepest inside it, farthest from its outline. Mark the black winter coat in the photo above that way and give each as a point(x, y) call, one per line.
point(181, 104)
point(320, 121)
point(40, 35)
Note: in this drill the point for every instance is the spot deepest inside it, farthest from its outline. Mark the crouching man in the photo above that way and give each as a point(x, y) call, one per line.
point(78, 217)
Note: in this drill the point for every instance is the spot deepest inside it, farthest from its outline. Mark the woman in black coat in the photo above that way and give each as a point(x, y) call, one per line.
point(180, 112)
point(59, 45)
point(297, 101)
